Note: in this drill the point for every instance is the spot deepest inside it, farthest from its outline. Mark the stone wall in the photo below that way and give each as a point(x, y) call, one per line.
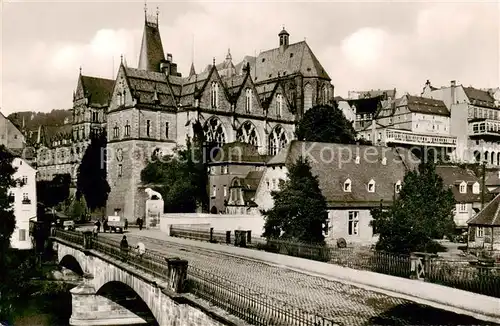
point(220, 222)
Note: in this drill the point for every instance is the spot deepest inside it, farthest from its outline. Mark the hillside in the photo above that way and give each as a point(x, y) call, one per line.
point(33, 120)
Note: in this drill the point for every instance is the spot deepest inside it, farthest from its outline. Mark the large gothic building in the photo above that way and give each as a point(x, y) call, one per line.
point(153, 108)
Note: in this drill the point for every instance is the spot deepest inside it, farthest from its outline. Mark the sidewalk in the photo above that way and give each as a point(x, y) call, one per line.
point(441, 297)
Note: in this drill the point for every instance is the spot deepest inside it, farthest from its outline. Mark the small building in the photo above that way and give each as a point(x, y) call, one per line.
point(466, 188)
point(354, 179)
point(231, 173)
point(25, 200)
point(484, 227)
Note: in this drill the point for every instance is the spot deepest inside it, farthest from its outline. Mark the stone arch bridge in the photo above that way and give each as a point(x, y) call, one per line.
point(128, 291)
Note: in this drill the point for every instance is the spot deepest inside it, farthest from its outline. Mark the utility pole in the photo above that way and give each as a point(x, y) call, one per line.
point(483, 176)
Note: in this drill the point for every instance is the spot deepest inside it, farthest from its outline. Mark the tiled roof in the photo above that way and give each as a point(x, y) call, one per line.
point(98, 89)
point(145, 84)
point(453, 176)
point(479, 97)
point(426, 105)
point(334, 170)
point(492, 178)
point(296, 58)
point(489, 215)
point(239, 152)
point(384, 93)
point(151, 49)
point(252, 180)
point(366, 105)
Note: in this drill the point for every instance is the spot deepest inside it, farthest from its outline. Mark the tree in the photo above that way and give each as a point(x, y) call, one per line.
point(92, 182)
point(7, 226)
point(180, 178)
point(300, 211)
point(55, 191)
point(326, 124)
point(422, 212)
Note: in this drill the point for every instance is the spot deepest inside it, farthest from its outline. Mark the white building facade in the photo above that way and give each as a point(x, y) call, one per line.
point(24, 203)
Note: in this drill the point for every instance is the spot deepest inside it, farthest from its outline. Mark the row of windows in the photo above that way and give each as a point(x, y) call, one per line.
point(214, 99)
point(116, 129)
point(463, 188)
point(214, 191)
point(478, 113)
point(370, 186)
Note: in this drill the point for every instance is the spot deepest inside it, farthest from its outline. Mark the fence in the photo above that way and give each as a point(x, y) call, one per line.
point(483, 280)
point(245, 303)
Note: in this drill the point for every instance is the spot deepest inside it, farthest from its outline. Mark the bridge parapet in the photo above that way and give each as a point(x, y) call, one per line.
point(157, 281)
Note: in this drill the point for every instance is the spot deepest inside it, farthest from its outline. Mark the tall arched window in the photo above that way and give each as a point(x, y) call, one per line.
point(127, 129)
point(214, 132)
point(279, 105)
point(247, 134)
point(325, 95)
point(248, 100)
point(214, 94)
point(308, 94)
point(277, 140)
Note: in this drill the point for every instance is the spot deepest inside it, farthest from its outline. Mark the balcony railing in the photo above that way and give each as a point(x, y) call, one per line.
point(486, 127)
point(410, 138)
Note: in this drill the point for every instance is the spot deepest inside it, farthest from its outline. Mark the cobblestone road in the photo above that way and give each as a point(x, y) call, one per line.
point(343, 303)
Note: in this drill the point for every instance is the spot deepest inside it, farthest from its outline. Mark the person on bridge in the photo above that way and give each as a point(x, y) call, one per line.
point(124, 244)
point(141, 249)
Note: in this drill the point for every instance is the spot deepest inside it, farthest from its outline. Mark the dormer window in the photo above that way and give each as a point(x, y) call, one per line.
point(463, 187)
point(347, 185)
point(397, 187)
point(248, 100)
point(214, 94)
point(475, 188)
point(371, 186)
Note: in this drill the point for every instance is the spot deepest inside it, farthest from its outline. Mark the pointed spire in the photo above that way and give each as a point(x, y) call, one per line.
point(145, 11)
point(228, 56)
point(152, 53)
point(80, 70)
point(157, 14)
point(213, 61)
point(192, 71)
point(121, 58)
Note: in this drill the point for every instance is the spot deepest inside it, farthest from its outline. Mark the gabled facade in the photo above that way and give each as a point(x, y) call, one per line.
point(484, 227)
point(60, 148)
point(411, 121)
point(475, 121)
point(10, 135)
point(466, 188)
point(354, 179)
point(24, 203)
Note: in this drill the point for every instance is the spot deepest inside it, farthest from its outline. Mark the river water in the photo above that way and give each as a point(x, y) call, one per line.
point(44, 310)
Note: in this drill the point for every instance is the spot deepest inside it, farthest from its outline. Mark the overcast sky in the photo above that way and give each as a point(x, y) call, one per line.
point(361, 45)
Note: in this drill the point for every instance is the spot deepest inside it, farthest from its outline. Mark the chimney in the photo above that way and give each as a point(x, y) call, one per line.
point(169, 57)
point(453, 84)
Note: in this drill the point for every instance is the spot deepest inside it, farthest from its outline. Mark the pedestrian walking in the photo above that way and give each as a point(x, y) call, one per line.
point(140, 223)
point(126, 224)
point(124, 246)
point(98, 225)
point(141, 249)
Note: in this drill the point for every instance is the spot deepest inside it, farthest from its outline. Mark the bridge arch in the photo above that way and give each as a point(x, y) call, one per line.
point(124, 295)
point(71, 263)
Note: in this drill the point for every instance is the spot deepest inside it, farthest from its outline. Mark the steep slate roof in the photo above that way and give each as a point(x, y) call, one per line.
point(426, 106)
point(489, 215)
point(296, 58)
point(53, 133)
point(334, 171)
point(453, 176)
point(479, 97)
point(239, 152)
point(151, 49)
point(98, 89)
point(144, 84)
